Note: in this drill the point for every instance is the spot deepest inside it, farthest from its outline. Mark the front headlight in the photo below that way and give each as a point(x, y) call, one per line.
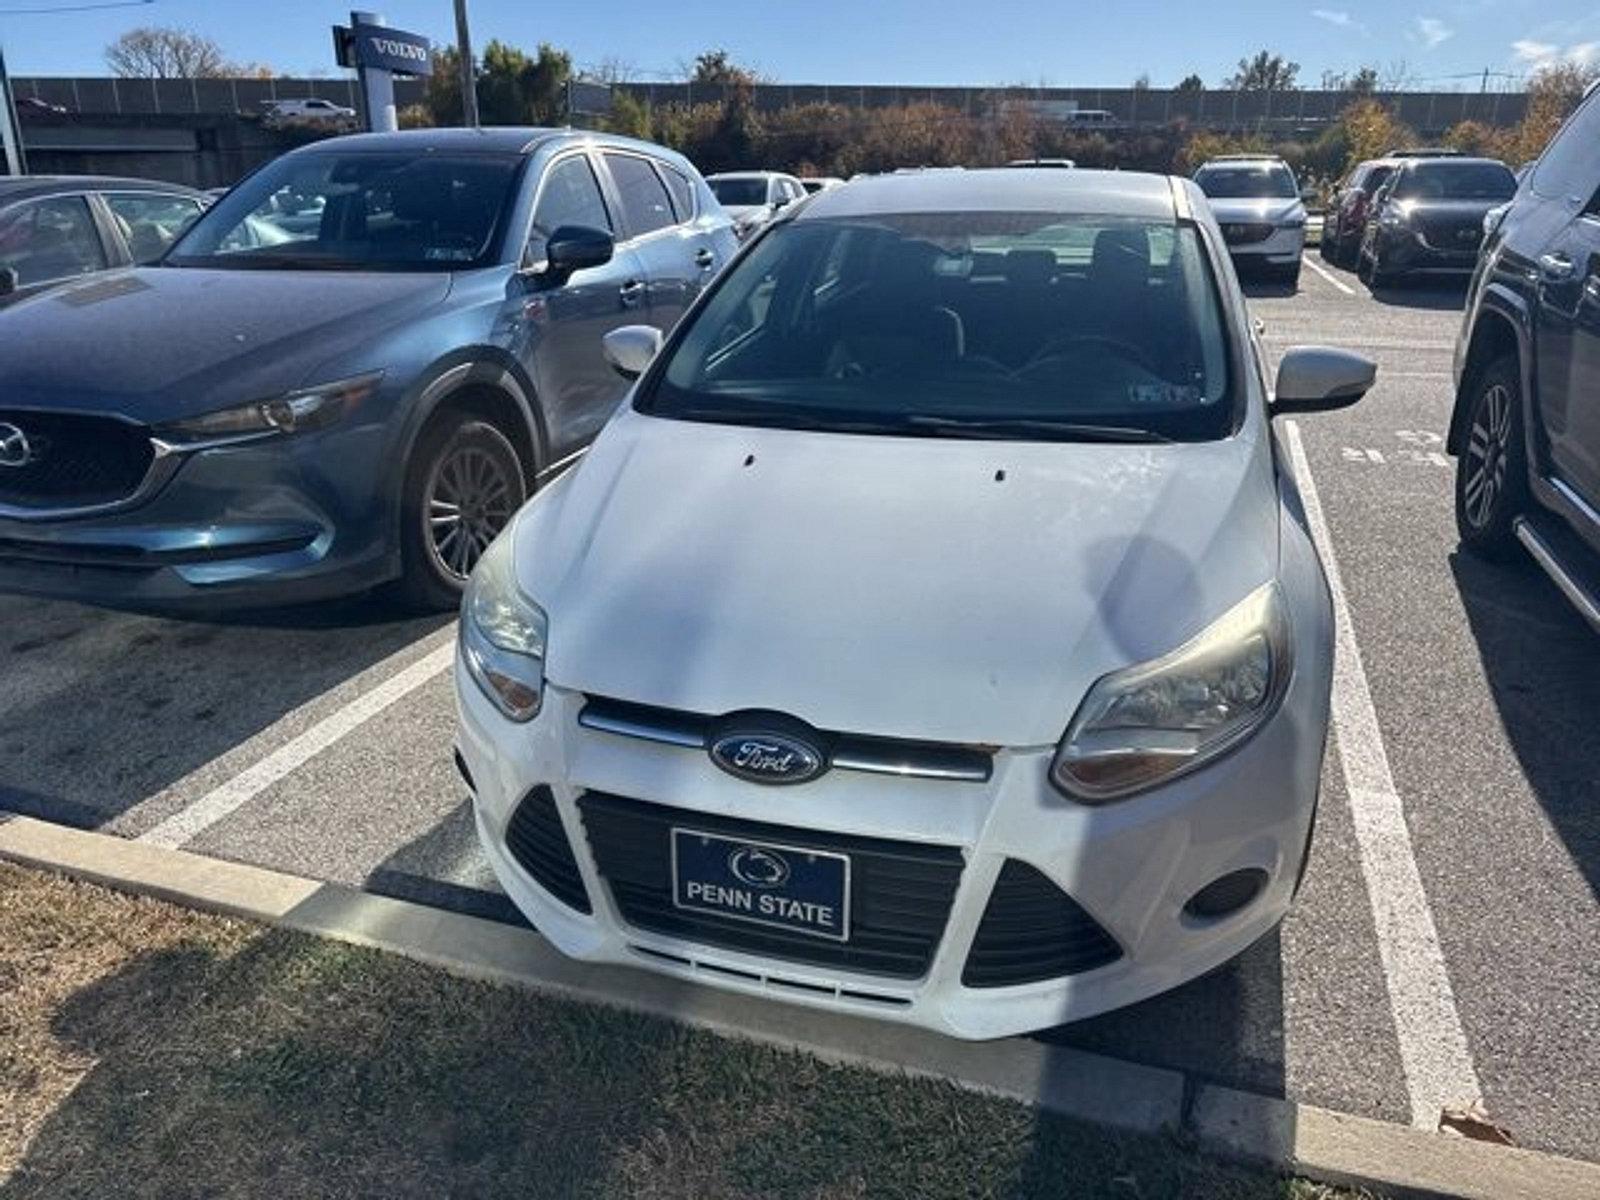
point(309, 408)
point(1144, 724)
point(502, 634)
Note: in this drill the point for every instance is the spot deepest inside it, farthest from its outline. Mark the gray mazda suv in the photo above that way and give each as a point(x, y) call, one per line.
point(352, 369)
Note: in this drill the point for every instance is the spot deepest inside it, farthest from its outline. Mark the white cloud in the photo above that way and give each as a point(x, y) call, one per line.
point(1535, 55)
point(1530, 52)
point(1334, 16)
point(1431, 31)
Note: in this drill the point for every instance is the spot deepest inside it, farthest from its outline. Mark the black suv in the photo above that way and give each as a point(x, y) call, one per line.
point(1429, 215)
point(1526, 427)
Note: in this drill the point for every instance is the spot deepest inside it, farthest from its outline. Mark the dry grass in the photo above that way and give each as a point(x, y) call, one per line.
point(147, 1051)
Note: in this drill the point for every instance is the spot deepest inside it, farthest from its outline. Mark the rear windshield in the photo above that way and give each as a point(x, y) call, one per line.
point(739, 192)
point(986, 324)
point(1376, 178)
point(1456, 181)
point(1247, 181)
point(357, 210)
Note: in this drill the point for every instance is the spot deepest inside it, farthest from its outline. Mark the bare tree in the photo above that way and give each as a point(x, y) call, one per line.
point(611, 69)
point(158, 52)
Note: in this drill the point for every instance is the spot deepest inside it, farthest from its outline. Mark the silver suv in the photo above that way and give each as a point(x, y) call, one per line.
point(1258, 204)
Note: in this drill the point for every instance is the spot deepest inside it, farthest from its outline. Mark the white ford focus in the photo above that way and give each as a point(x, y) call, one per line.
point(935, 633)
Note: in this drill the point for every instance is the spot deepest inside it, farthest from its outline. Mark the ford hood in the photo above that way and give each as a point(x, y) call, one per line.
point(955, 591)
point(161, 343)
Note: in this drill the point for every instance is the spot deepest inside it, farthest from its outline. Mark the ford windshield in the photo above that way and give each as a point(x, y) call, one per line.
point(985, 324)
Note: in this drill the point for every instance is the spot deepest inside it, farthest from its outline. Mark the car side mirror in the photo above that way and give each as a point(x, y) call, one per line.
point(630, 349)
point(1321, 379)
point(10, 281)
point(576, 248)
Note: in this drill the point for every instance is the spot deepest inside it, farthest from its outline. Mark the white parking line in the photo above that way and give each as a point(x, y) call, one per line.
point(188, 823)
point(1433, 1046)
point(1328, 275)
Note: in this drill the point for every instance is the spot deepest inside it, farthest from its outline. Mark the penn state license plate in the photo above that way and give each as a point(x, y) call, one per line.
point(784, 887)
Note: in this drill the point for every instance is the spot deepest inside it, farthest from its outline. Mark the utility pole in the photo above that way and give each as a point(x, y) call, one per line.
point(11, 156)
point(469, 76)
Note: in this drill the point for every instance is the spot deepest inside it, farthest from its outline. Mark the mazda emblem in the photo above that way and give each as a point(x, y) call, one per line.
point(14, 448)
point(767, 756)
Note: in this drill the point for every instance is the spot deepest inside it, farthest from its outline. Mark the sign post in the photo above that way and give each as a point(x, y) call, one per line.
point(378, 54)
point(10, 131)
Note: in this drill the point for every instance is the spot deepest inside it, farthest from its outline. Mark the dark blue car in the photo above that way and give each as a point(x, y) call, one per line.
point(353, 369)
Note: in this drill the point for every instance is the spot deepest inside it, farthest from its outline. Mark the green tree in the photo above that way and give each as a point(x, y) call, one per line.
point(1191, 83)
point(717, 67)
point(1266, 72)
point(514, 89)
point(1364, 82)
point(629, 116)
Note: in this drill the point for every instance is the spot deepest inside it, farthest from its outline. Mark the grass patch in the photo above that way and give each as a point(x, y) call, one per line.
point(149, 1051)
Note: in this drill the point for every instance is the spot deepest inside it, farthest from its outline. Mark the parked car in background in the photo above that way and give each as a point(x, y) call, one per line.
point(752, 197)
point(1526, 426)
point(1346, 218)
point(59, 227)
point(311, 110)
point(274, 414)
point(1427, 217)
point(36, 104)
point(1059, 163)
point(819, 183)
point(944, 465)
point(1259, 208)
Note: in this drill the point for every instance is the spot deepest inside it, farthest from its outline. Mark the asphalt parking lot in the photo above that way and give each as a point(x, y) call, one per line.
point(1446, 945)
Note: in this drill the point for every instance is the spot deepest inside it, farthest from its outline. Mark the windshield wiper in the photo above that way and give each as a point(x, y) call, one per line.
point(1027, 428)
point(782, 419)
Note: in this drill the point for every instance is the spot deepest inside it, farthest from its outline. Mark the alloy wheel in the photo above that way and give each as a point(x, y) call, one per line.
point(1487, 447)
point(470, 497)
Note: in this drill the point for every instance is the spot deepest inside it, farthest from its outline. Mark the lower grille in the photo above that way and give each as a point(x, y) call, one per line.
point(539, 843)
point(1032, 930)
point(73, 460)
point(900, 892)
point(1240, 233)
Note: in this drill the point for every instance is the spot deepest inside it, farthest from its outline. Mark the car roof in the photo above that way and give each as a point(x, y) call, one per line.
point(747, 175)
point(1450, 159)
point(1000, 189)
point(497, 139)
point(1242, 158)
point(15, 187)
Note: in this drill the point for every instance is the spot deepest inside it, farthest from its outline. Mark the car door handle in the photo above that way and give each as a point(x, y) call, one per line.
point(1556, 267)
point(705, 260)
point(1591, 289)
point(631, 292)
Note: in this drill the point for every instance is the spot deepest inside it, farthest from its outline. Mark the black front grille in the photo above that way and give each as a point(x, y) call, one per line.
point(1032, 930)
point(900, 892)
point(539, 843)
point(1242, 233)
point(1455, 234)
point(73, 460)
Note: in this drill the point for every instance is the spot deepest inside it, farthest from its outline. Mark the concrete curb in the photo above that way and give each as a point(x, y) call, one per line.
point(1316, 1143)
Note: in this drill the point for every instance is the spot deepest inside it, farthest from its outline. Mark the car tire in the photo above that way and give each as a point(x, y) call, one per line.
point(1287, 276)
point(1491, 470)
point(463, 484)
point(1328, 243)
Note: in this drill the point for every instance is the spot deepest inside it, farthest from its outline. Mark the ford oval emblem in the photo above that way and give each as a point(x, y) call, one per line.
point(766, 757)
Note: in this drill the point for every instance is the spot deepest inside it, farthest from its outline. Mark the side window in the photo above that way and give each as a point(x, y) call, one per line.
point(151, 222)
point(50, 239)
point(682, 191)
point(1570, 165)
point(645, 204)
point(571, 196)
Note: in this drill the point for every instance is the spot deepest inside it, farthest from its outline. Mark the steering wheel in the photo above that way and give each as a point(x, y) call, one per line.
point(1056, 348)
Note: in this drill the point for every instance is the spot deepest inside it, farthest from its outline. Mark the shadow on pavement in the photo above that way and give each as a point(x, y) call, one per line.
point(1447, 295)
point(1542, 664)
point(103, 709)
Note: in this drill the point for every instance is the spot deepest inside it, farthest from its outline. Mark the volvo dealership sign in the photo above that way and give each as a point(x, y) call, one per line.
point(379, 53)
point(377, 47)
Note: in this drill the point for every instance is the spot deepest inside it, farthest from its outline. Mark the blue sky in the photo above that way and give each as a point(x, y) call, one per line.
point(891, 41)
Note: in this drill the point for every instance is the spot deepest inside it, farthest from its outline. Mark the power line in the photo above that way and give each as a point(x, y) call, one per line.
point(73, 8)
